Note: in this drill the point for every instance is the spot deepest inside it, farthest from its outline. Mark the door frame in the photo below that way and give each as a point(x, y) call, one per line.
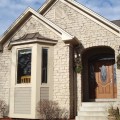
point(90, 63)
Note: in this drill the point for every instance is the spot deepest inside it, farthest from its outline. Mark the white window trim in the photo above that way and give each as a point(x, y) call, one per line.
point(32, 85)
point(36, 82)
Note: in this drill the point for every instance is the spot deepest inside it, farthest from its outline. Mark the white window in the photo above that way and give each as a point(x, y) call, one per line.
point(44, 65)
point(24, 66)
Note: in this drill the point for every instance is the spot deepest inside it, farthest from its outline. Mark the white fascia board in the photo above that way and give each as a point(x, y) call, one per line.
point(30, 42)
point(46, 5)
point(93, 16)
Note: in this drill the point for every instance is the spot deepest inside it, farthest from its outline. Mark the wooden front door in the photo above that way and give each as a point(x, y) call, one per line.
point(104, 80)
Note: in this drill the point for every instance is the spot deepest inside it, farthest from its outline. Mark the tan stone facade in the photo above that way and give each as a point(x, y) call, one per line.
point(71, 26)
point(88, 32)
point(5, 61)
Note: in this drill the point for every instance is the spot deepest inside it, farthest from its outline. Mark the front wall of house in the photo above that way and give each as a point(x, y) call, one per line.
point(60, 67)
point(5, 62)
point(33, 25)
point(61, 60)
point(87, 31)
point(61, 74)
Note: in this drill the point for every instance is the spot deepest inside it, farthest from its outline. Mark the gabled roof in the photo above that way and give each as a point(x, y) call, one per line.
point(25, 15)
point(32, 38)
point(117, 22)
point(36, 35)
point(85, 11)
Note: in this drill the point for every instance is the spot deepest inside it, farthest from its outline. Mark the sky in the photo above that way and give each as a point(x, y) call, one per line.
point(10, 10)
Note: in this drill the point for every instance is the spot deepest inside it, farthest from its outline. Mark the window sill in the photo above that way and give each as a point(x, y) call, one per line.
point(23, 85)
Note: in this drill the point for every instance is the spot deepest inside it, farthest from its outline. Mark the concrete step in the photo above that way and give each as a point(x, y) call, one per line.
point(91, 118)
point(91, 113)
point(97, 104)
point(93, 109)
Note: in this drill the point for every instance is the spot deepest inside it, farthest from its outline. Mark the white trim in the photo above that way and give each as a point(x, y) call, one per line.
point(31, 85)
point(35, 84)
point(30, 42)
point(42, 8)
point(103, 100)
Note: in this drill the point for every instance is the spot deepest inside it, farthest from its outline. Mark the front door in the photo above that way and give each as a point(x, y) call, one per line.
point(104, 80)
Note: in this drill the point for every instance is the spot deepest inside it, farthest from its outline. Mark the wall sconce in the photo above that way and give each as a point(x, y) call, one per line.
point(77, 61)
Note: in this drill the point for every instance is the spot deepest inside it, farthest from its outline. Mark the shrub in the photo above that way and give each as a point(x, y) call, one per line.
point(3, 108)
point(113, 113)
point(49, 110)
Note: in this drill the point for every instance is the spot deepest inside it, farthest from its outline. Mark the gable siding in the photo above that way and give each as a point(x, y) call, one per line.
point(87, 31)
point(33, 25)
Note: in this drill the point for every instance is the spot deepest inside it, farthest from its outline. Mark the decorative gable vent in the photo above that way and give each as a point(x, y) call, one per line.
point(59, 13)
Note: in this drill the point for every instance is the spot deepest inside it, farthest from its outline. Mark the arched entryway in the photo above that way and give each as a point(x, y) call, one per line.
point(99, 74)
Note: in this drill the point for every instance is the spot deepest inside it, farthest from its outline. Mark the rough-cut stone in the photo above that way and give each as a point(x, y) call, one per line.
point(5, 69)
point(88, 32)
point(33, 25)
point(67, 91)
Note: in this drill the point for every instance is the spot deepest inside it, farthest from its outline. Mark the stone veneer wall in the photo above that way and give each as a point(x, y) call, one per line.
point(61, 60)
point(87, 31)
point(61, 92)
point(61, 63)
point(33, 25)
point(71, 82)
point(5, 63)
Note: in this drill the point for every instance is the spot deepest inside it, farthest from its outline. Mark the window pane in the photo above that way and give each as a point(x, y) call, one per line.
point(44, 65)
point(24, 66)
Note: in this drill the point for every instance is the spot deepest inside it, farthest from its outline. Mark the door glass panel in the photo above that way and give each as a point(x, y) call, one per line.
point(103, 73)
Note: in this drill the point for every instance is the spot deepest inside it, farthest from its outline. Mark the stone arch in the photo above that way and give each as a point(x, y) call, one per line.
point(101, 43)
point(87, 54)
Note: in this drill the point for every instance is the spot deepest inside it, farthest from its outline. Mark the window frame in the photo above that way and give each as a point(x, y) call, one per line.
point(42, 65)
point(17, 53)
point(35, 85)
point(16, 49)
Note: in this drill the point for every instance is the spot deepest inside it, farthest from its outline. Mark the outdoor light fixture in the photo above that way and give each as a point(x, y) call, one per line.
point(77, 60)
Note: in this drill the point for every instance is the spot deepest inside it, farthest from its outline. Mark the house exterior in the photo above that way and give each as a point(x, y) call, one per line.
point(42, 53)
